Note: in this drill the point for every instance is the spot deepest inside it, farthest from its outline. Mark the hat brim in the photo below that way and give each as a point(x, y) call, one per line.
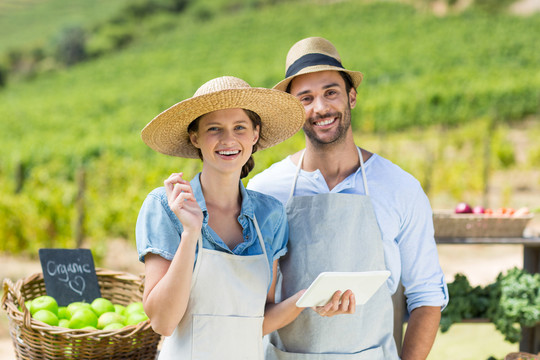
point(356, 76)
point(282, 115)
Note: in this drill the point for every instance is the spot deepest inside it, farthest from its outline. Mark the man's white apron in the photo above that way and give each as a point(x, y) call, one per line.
point(333, 232)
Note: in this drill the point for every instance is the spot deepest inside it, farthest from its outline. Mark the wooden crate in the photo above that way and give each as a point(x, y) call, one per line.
point(449, 224)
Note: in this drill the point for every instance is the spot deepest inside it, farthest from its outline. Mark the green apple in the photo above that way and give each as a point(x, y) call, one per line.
point(63, 312)
point(63, 323)
point(101, 306)
point(44, 302)
point(89, 328)
point(46, 316)
point(76, 305)
point(83, 317)
point(109, 318)
point(136, 306)
point(119, 309)
point(27, 304)
point(114, 326)
point(136, 317)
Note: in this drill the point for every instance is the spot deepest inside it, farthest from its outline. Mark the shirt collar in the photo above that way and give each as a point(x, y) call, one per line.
point(348, 183)
point(197, 192)
point(247, 205)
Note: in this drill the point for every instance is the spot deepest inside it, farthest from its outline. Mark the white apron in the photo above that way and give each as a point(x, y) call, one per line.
point(333, 232)
point(223, 320)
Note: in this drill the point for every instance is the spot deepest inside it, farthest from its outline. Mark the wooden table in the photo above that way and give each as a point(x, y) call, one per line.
point(530, 341)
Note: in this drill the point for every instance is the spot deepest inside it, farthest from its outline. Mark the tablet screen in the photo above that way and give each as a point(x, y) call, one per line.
point(363, 284)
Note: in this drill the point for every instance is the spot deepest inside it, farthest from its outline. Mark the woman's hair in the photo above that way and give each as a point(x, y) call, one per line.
point(193, 127)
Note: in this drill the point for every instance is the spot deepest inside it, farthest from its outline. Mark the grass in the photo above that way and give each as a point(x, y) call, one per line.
point(419, 69)
point(31, 22)
point(411, 76)
point(469, 341)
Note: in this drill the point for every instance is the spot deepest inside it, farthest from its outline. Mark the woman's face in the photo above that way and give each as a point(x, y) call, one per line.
point(225, 138)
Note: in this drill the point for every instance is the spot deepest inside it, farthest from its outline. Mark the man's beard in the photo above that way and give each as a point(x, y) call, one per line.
point(344, 123)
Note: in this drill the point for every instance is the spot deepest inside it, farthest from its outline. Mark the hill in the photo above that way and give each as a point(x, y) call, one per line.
point(29, 23)
point(472, 69)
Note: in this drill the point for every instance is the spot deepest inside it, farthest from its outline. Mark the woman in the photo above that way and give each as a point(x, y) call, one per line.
point(210, 246)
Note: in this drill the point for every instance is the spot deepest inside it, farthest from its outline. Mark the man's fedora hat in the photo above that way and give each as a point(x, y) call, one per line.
point(282, 115)
point(312, 55)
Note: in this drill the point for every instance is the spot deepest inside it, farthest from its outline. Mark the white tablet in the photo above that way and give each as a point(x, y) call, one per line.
point(363, 285)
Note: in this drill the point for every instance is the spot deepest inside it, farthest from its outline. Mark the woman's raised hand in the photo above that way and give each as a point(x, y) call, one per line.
point(183, 203)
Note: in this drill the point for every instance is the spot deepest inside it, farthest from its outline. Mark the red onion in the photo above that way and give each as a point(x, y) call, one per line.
point(478, 209)
point(463, 208)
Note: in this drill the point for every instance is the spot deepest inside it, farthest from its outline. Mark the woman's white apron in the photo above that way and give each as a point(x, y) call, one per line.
point(225, 311)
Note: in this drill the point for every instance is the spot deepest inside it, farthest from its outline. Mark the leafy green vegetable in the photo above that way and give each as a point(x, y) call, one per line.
point(516, 302)
point(466, 302)
point(511, 302)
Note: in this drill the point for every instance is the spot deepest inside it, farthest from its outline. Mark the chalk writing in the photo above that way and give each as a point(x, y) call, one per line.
point(69, 275)
point(63, 270)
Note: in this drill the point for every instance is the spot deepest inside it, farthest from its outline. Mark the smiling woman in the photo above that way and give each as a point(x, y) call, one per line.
point(210, 246)
point(228, 128)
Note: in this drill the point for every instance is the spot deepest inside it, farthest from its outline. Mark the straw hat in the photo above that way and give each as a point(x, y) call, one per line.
point(312, 55)
point(282, 115)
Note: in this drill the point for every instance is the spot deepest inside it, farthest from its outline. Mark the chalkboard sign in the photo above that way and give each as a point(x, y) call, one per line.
point(69, 275)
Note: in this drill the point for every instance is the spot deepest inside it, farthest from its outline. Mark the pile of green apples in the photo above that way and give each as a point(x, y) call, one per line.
point(100, 314)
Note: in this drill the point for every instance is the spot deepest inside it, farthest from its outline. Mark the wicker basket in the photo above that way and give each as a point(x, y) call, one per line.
point(449, 224)
point(33, 339)
point(521, 356)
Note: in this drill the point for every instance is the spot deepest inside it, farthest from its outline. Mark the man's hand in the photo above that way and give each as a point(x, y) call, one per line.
point(339, 304)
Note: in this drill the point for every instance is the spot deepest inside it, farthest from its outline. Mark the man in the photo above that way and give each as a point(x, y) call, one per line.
point(349, 210)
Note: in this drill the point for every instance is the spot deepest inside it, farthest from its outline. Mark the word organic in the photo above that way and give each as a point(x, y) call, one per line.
point(63, 270)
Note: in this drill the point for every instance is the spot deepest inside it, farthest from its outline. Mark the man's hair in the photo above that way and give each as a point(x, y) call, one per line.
point(344, 75)
point(348, 81)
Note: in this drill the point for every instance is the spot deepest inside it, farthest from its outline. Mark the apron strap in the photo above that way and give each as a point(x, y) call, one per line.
point(299, 166)
point(363, 171)
point(261, 241)
point(197, 260)
point(259, 234)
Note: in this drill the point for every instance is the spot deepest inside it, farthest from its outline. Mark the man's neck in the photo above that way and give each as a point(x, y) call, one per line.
point(335, 162)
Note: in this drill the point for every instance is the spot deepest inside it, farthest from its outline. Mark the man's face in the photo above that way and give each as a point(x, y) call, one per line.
point(327, 105)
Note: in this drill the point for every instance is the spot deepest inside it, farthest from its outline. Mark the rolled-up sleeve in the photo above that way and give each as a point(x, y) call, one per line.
point(156, 231)
point(281, 237)
point(422, 276)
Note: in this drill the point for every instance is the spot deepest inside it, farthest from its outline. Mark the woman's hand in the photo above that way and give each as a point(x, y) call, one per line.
point(183, 203)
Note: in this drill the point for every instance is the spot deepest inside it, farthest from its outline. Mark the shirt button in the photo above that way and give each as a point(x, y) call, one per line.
point(316, 176)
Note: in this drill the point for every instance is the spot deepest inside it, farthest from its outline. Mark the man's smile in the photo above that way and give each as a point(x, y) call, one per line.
point(325, 122)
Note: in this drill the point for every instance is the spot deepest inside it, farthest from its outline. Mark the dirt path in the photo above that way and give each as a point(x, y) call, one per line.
point(525, 7)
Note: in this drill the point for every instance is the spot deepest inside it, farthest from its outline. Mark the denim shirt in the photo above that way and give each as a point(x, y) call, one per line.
point(158, 230)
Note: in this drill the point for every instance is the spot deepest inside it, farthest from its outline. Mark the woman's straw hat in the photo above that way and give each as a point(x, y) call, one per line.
point(282, 115)
point(312, 55)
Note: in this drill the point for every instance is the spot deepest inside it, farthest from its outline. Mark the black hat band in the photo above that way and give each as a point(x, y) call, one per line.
point(311, 60)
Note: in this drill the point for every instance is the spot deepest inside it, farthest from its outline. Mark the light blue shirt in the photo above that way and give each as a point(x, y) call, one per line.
point(403, 213)
point(159, 231)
